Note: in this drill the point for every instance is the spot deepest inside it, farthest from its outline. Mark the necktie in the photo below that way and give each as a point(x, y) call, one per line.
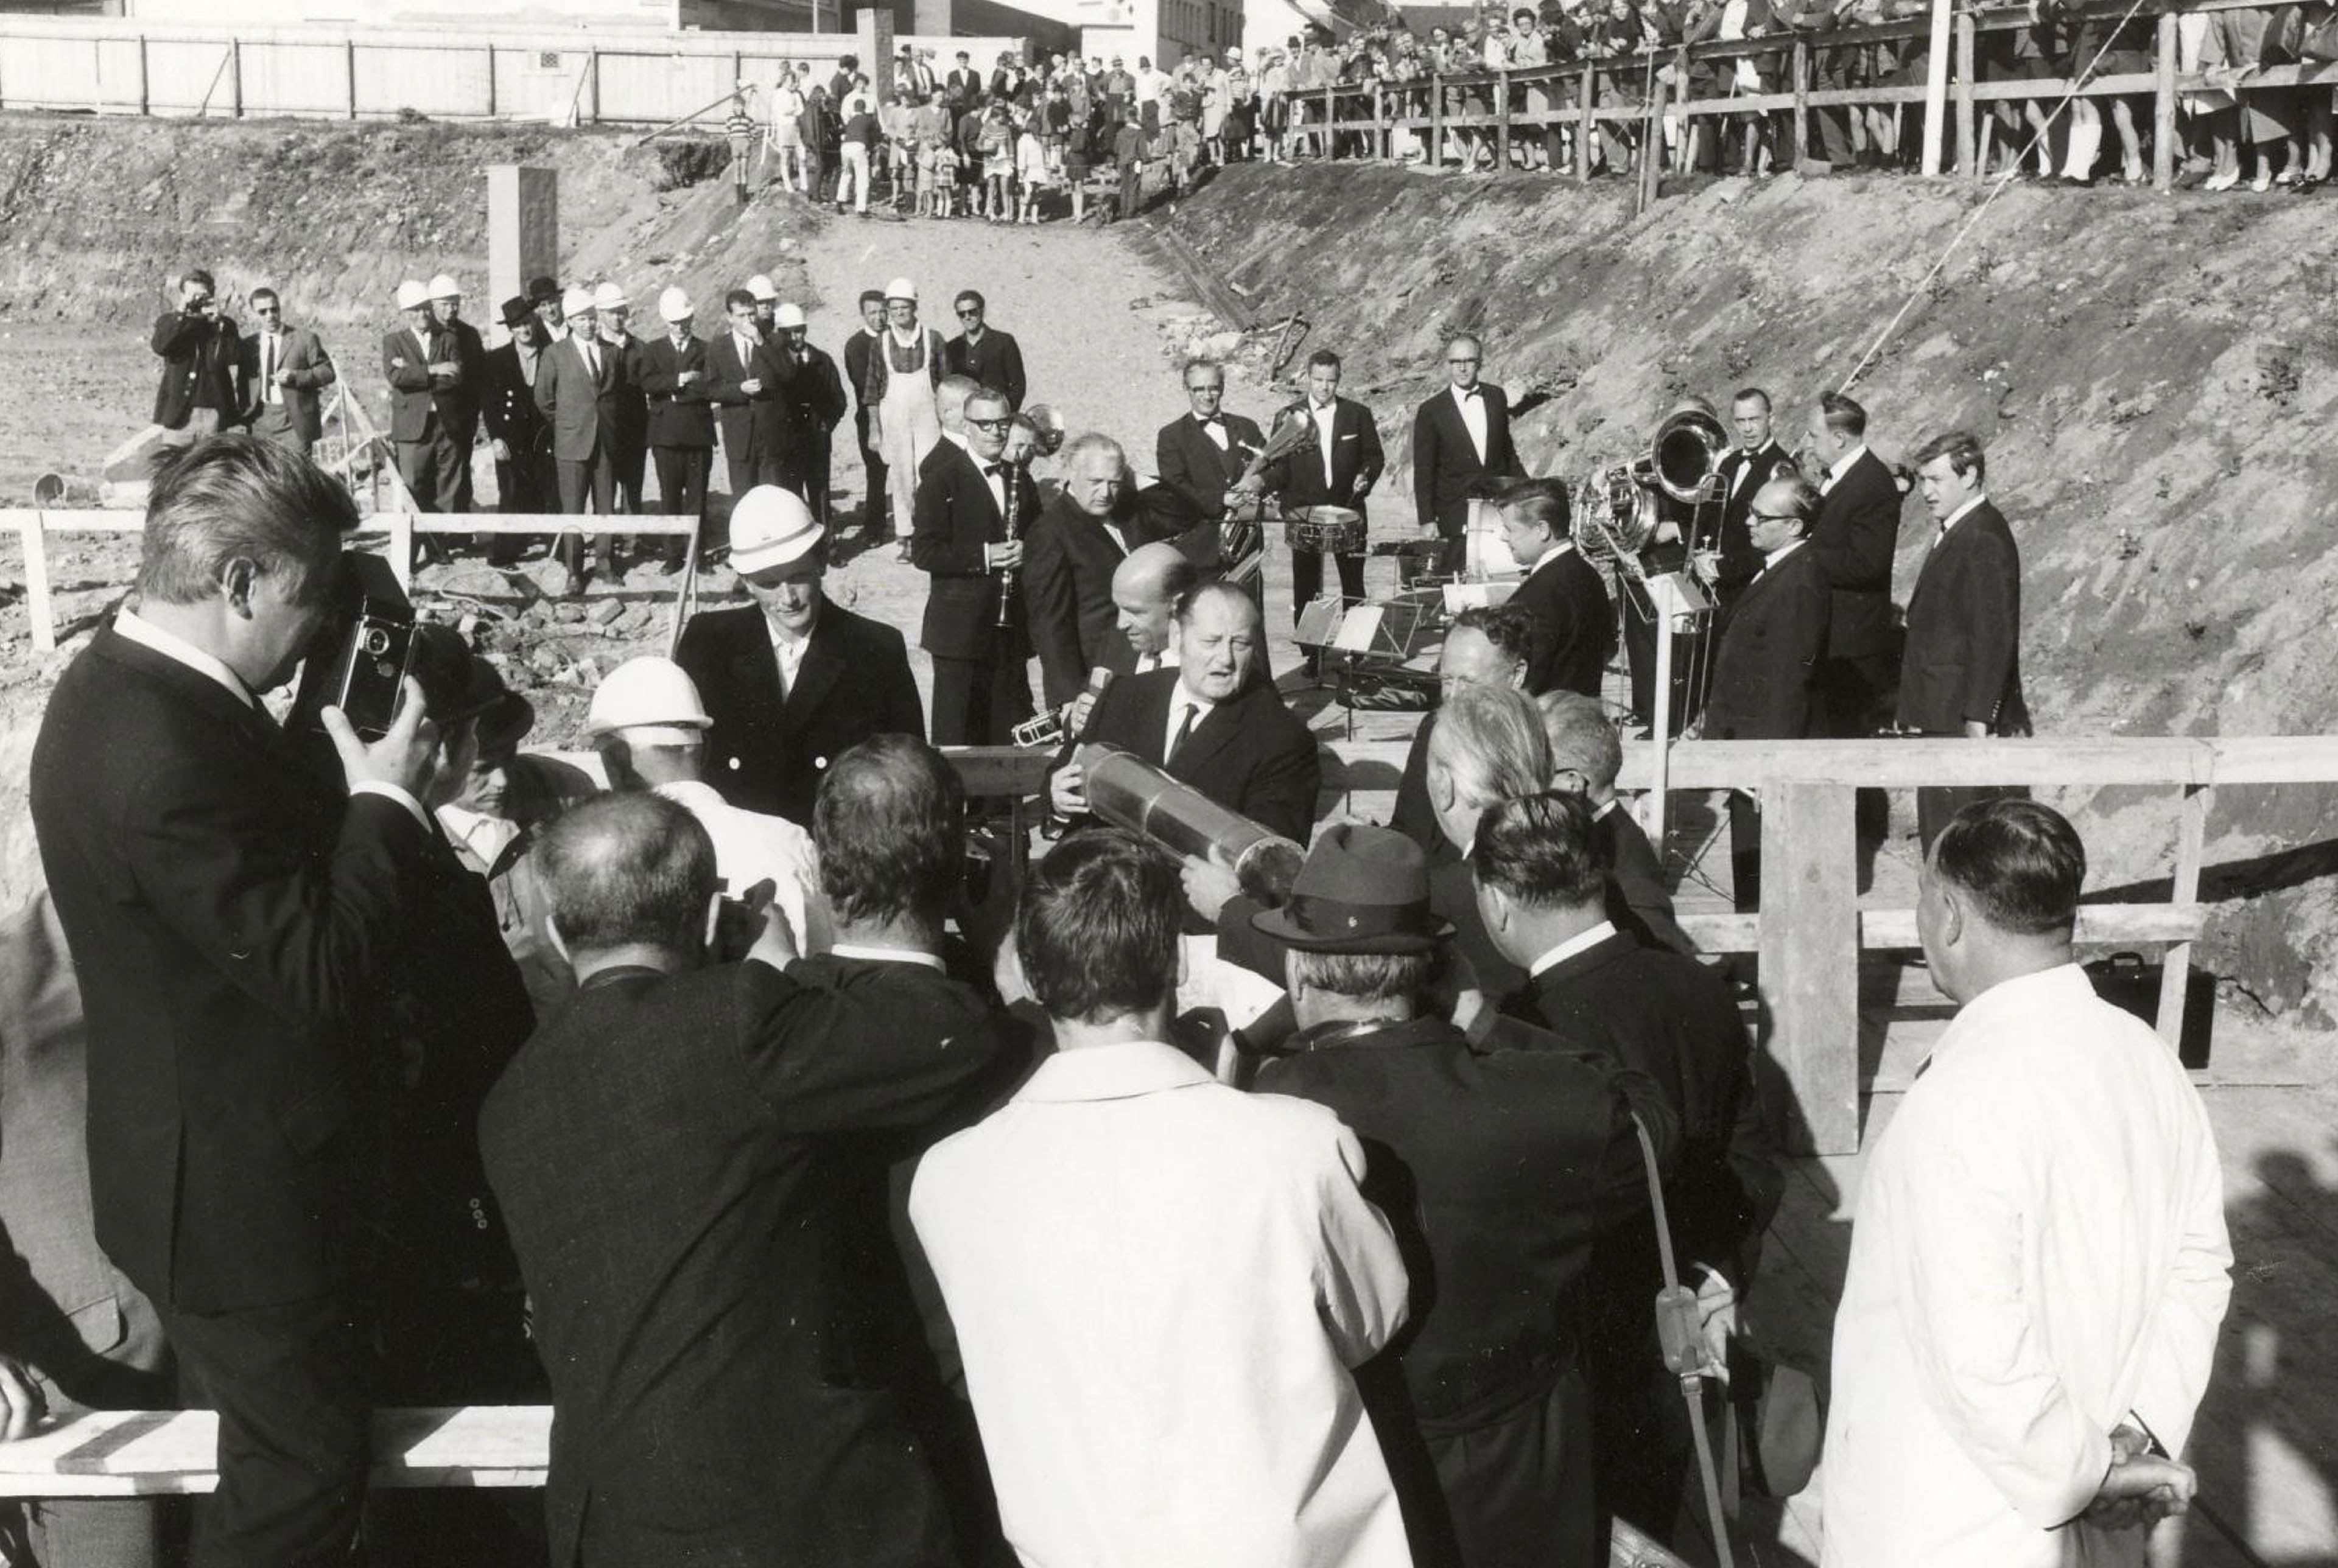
point(267, 368)
point(591, 358)
point(1185, 733)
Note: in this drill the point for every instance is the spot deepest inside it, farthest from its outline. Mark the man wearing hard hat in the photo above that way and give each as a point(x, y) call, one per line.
point(611, 307)
point(682, 421)
point(811, 394)
point(650, 728)
point(435, 367)
point(577, 384)
point(791, 681)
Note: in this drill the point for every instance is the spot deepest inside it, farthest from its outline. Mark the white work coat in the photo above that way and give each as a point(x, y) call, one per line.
point(751, 847)
point(2038, 1256)
point(1159, 1284)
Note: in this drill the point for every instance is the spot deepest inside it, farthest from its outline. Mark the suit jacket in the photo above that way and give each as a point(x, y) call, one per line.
point(955, 518)
point(584, 411)
point(1963, 657)
point(201, 367)
point(231, 912)
point(1741, 477)
point(1068, 560)
point(1765, 673)
point(997, 362)
point(766, 753)
point(1356, 462)
point(813, 405)
point(302, 353)
point(1672, 1019)
point(679, 415)
point(417, 397)
point(1638, 902)
point(753, 423)
point(1854, 536)
point(665, 1152)
point(856, 367)
point(509, 408)
point(1252, 755)
point(1191, 463)
point(1574, 624)
point(633, 407)
point(1445, 461)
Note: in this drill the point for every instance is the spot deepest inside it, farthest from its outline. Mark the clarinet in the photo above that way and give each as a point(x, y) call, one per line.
point(1013, 475)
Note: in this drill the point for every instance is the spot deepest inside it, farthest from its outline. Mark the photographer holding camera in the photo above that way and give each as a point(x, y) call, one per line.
point(203, 381)
point(233, 914)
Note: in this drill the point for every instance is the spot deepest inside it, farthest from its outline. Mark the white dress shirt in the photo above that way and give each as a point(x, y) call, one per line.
point(1957, 516)
point(271, 360)
point(2039, 1255)
point(752, 847)
point(1581, 942)
point(1472, 405)
point(172, 646)
point(1841, 466)
point(1181, 701)
point(789, 652)
point(1326, 417)
point(1215, 428)
point(1165, 660)
point(1774, 556)
point(1159, 1284)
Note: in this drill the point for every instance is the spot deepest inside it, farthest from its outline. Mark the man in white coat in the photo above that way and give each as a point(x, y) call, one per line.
point(2039, 1262)
point(1159, 1283)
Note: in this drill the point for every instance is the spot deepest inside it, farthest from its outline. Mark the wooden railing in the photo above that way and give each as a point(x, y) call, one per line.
point(1359, 118)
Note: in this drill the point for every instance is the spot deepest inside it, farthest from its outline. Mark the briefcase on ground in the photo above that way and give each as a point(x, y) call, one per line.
point(2130, 982)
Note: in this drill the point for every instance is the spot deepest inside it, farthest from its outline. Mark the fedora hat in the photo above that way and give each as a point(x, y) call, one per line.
point(1363, 889)
point(457, 684)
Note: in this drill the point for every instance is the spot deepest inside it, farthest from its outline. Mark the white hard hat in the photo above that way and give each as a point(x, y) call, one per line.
point(445, 288)
point(413, 293)
point(787, 316)
point(577, 300)
point(771, 528)
point(901, 289)
point(760, 287)
point(673, 305)
point(648, 694)
point(609, 296)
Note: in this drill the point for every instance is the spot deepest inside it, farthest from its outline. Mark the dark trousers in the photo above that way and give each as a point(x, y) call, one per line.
point(1131, 186)
point(436, 472)
point(681, 493)
point(978, 701)
point(630, 461)
point(1307, 578)
point(594, 478)
point(876, 512)
point(1520, 1489)
point(1938, 806)
point(289, 1384)
point(1745, 852)
point(812, 480)
point(525, 485)
point(1691, 661)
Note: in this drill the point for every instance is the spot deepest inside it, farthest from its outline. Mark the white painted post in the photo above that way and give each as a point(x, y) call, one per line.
point(37, 585)
point(1936, 86)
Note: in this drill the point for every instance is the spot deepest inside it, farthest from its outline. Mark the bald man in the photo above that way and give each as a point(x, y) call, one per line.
point(1146, 591)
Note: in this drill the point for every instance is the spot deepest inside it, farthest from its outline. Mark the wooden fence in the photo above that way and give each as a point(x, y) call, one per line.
point(1362, 118)
point(603, 76)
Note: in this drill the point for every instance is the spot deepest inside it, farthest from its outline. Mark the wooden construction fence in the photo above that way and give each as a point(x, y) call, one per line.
point(1362, 118)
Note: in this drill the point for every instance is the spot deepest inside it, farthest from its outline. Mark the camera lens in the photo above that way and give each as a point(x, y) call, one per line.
point(377, 641)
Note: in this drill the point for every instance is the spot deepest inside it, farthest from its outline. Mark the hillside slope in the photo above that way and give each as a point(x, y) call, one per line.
point(2153, 377)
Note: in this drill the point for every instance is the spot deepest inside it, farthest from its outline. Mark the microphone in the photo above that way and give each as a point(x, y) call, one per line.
point(1099, 681)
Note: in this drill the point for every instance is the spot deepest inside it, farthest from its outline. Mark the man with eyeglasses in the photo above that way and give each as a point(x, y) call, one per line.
point(1460, 438)
point(1765, 676)
point(982, 689)
point(283, 369)
point(982, 354)
point(1756, 459)
point(1203, 455)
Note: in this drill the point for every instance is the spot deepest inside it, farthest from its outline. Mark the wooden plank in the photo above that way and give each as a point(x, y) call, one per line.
point(1809, 943)
point(1895, 930)
point(2162, 108)
point(1968, 141)
point(993, 771)
point(38, 609)
point(1583, 134)
point(1801, 81)
point(1936, 87)
point(2176, 972)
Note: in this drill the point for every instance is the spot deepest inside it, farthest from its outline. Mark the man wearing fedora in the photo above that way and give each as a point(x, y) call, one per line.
point(1501, 1170)
point(791, 681)
point(516, 433)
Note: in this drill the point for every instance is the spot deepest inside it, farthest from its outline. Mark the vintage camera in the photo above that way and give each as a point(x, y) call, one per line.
point(363, 654)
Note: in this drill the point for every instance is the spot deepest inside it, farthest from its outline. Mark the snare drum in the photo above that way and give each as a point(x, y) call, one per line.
point(1338, 530)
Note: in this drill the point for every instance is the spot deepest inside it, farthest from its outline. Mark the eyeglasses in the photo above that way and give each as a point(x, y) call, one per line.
point(1210, 387)
point(993, 425)
point(967, 315)
point(1461, 361)
point(1773, 517)
point(268, 310)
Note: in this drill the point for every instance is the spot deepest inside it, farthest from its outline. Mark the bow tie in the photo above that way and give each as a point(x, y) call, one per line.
point(992, 470)
point(1466, 391)
point(1209, 419)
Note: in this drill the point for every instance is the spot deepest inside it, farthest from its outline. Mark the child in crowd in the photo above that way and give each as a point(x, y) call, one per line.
point(1031, 168)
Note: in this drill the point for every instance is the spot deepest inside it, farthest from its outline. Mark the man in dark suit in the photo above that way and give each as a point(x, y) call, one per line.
point(1337, 468)
point(743, 386)
point(1542, 885)
point(666, 1153)
point(282, 369)
point(1069, 557)
point(1854, 538)
point(233, 910)
point(1214, 723)
point(1501, 1171)
point(1460, 438)
point(200, 390)
point(1961, 673)
point(1562, 595)
point(613, 310)
point(1765, 677)
point(981, 353)
point(526, 483)
point(674, 378)
point(1753, 462)
point(791, 681)
point(1483, 647)
point(1586, 758)
point(971, 556)
point(1488, 745)
point(457, 396)
point(1203, 454)
point(877, 522)
point(580, 382)
point(811, 405)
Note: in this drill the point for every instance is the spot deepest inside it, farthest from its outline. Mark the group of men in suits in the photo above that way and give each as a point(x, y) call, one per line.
point(216, 377)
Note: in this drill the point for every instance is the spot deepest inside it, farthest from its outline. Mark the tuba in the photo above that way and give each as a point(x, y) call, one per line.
point(1616, 514)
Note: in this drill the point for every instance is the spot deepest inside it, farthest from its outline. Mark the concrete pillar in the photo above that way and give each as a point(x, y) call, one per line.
point(522, 229)
point(873, 27)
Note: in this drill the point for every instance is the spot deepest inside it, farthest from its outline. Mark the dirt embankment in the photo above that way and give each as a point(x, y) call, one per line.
point(2153, 377)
